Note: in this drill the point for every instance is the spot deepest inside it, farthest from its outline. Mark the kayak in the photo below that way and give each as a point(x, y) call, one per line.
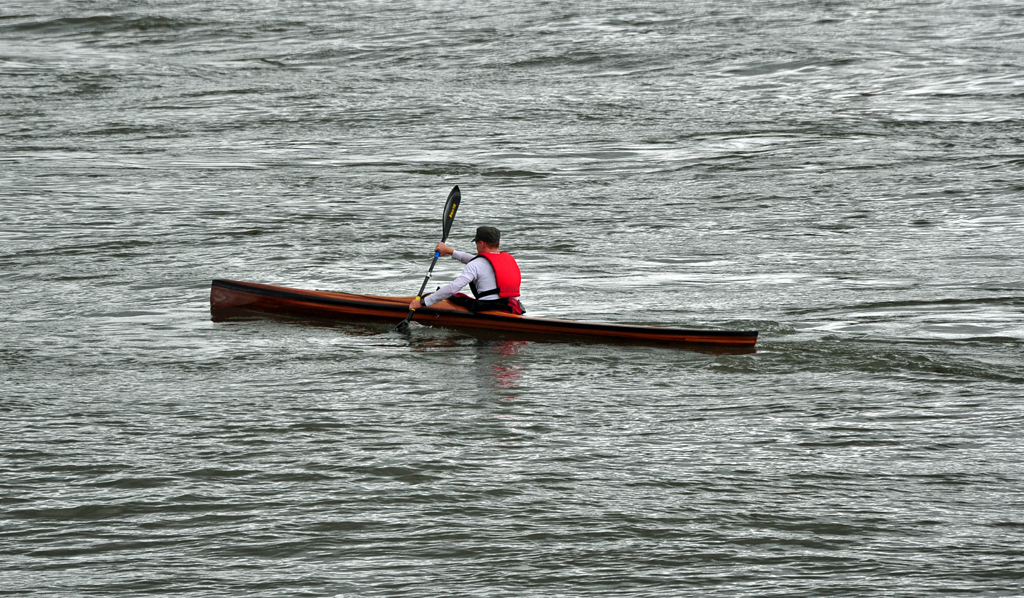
point(229, 298)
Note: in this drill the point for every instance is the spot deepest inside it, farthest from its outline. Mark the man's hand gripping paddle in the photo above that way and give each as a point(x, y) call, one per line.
point(450, 208)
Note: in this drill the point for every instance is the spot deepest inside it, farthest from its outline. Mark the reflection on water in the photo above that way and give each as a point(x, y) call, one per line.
point(507, 372)
point(499, 367)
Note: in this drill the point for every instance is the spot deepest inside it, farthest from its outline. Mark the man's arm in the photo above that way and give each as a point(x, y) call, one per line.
point(469, 274)
point(462, 256)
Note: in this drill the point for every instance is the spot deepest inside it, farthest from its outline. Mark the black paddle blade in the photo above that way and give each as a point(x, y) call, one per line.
point(452, 206)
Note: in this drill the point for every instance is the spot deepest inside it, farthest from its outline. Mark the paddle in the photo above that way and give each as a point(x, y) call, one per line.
point(448, 216)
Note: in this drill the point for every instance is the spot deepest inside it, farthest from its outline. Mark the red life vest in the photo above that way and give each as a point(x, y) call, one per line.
point(506, 273)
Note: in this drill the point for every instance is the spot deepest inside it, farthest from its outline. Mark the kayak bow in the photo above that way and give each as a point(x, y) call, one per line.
point(229, 298)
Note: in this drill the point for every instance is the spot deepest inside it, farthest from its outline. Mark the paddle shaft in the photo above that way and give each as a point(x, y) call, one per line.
point(430, 272)
point(452, 205)
point(419, 295)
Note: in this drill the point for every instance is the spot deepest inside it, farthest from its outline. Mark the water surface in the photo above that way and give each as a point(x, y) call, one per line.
point(844, 177)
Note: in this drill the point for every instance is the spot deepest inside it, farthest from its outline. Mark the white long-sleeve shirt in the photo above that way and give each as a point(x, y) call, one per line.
point(480, 271)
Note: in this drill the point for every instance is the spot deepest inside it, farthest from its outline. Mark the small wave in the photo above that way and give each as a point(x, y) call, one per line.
point(511, 173)
point(785, 67)
point(100, 24)
point(761, 326)
point(87, 512)
point(1012, 301)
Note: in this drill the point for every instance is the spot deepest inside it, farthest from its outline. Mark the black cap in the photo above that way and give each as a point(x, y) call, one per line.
point(488, 234)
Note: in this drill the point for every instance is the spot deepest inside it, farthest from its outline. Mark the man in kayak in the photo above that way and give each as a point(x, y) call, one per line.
point(492, 275)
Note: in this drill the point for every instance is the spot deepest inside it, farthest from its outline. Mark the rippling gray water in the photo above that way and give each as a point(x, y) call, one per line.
point(845, 177)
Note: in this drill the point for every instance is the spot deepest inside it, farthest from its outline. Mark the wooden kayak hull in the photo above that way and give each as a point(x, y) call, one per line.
point(230, 297)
